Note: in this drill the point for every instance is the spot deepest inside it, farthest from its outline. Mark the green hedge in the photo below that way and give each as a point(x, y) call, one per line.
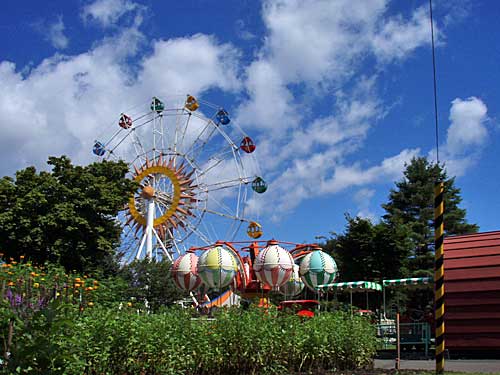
point(111, 341)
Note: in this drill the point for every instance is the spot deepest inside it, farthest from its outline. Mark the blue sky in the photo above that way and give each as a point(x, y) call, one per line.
point(337, 94)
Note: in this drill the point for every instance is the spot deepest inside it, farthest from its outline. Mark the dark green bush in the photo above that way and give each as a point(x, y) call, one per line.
point(112, 341)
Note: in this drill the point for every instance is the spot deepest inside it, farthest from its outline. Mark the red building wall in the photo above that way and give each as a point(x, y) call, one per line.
point(472, 291)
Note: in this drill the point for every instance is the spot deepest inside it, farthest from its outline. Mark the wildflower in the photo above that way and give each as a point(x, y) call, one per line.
point(90, 304)
point(96, 282)
point(5, 265)
point(14, 262)
point(129, 304)
point(33, 274)
point(36, 285)
point(89, 288)
point(78, 280)
point(10, 283)
point(77, 285)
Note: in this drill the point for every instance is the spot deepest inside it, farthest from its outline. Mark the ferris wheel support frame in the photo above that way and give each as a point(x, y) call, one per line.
point(149, 232)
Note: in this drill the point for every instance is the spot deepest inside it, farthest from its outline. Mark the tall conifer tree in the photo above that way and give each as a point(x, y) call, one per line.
point(411, 203)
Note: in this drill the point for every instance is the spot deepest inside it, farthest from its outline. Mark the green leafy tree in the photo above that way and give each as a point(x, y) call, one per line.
point(65, 216)
point(151, 281)
point(411, 203)
point(367, 251)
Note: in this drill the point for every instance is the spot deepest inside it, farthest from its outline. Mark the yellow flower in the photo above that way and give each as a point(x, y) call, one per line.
point(33, 274)
point(77, 285)
point(96, 282)
point(14, 262)
point(129, 304)
point(21, 257)
point(36, 285)
point(10, 283)
point(10, 273)
point(78, 280)
point(89, 288)
point(43, 279)
point(90, 304)
point(5, 265)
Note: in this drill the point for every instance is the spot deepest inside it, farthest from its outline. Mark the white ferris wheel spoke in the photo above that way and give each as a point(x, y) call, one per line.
point(226, 184)
point(221, 214)
point(200, 235)
point(184, 131)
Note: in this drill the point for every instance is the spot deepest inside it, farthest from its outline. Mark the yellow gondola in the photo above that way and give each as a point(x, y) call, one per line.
point(191, 103)
point(254, 230)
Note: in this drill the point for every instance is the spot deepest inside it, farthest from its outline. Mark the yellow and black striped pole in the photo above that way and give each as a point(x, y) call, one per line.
point(439, 275)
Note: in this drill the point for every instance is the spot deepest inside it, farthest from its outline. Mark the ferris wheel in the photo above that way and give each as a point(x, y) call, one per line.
point(196, 172)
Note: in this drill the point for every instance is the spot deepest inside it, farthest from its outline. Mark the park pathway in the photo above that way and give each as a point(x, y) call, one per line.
point(485, 366)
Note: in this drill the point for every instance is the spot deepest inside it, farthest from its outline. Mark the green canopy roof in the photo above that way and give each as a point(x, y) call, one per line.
point(352, 286)
point(406, 282)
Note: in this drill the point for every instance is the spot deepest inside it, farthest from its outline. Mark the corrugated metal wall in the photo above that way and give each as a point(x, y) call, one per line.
point(472, 291)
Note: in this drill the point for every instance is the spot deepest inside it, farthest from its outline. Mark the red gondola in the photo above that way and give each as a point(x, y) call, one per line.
point(125, 121)
point(247, 145)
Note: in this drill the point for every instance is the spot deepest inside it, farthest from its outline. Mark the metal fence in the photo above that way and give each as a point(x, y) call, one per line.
point(417, 335)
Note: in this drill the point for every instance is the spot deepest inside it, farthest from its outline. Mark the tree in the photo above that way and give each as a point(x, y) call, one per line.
point(367, 251)
point(412, 203)
point(65, 216)
point(151, 281)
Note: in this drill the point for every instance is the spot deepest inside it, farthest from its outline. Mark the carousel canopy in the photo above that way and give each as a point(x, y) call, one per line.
point(406, 282)
point(352, 286)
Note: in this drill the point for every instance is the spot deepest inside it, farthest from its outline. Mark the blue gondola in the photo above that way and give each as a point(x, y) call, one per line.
point(99, 149)
point(222, 117)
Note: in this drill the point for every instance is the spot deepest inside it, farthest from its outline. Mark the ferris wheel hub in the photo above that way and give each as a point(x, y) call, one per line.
point(148, 192)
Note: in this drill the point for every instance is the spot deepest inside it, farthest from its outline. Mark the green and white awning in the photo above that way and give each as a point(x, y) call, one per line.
point(406, 282)
point(352, 286)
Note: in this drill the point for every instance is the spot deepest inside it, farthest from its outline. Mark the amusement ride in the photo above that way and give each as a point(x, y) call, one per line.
point(196, 173)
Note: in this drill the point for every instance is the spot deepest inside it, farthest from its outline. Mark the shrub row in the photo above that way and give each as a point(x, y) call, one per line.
point(60, 339)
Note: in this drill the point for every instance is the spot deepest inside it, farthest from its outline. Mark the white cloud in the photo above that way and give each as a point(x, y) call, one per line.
point(467, 128)
point(242, 32)
point(55, 34)
point(107, 12)
point(398, 36)
point(363, 198)
point(192, 64)
point(466, 136)
point(320, 44)
point(67, 101)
